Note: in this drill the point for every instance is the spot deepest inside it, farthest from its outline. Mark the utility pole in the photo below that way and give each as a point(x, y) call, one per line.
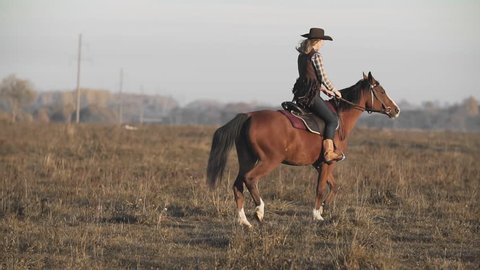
point(142, 101)
point(78, 77)
point(120, 109)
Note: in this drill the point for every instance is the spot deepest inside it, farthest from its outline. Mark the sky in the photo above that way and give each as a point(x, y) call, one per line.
point(236, 50)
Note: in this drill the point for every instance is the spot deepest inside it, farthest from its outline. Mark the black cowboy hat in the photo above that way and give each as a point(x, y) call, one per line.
point(317, 33)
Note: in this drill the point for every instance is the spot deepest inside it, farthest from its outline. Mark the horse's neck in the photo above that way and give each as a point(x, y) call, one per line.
point(348, 121)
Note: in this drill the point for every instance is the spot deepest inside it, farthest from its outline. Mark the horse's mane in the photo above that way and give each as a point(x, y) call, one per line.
point(353, 94)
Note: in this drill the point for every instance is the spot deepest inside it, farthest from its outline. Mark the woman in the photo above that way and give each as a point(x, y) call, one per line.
point(309, 84)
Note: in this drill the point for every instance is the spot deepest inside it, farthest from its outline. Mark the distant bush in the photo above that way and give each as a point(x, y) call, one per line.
point(16, 93)
point(41, 115)
point(4, 117)
point(96, 114)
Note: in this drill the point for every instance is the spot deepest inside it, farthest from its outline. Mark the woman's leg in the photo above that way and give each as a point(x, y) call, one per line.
point(321, 109)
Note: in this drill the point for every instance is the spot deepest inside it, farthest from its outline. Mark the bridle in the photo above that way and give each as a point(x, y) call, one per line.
point(385, 109)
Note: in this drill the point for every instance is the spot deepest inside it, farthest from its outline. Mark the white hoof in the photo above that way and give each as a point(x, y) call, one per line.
point(317, 214)
point(242, 219)
point(260, 210)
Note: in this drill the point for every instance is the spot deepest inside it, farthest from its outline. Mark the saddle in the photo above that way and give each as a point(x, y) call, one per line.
point(304, 119)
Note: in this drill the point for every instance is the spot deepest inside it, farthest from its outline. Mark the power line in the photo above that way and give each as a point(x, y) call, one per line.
point(142, 108)
point(120, 109)
point(79, 60)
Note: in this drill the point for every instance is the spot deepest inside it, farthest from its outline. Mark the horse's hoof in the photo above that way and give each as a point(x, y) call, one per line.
point(242, 219)
point(246, 224)
point(259, 216)
point(317, 214)
point(260, 211)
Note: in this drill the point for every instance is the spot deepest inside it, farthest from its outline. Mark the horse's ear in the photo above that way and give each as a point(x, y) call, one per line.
point(370, 77)
point(364, 76)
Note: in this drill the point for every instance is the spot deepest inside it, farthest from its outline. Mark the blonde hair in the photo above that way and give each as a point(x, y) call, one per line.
point(306, 45)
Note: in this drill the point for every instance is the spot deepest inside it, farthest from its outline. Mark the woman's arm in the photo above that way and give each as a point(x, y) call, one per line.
point(318, 64)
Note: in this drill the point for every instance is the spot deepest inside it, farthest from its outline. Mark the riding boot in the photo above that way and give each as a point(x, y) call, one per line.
point(329, 152)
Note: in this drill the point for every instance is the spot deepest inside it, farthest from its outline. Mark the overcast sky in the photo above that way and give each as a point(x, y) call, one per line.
point(242, 50)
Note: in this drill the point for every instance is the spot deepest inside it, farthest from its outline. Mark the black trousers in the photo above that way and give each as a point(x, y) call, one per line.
point(320, 108)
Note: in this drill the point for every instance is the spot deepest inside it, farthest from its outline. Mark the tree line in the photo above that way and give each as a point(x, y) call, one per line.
point(20, 102)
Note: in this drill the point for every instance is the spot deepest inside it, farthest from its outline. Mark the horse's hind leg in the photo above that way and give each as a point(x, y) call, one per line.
point(246, 162)
point(261, 169)
point(240, 200)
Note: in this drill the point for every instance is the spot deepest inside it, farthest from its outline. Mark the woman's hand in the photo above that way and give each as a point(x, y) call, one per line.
point(337, 93)
point(327, 92)
point(330, 93)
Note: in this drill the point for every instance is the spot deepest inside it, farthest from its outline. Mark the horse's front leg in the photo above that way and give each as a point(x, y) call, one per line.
point(333, 188)
point(323, 173)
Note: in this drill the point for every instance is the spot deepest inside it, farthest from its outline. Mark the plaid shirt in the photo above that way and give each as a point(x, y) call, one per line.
point(318, 64)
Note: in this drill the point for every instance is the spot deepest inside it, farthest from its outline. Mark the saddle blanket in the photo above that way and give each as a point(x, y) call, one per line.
point(306, 120)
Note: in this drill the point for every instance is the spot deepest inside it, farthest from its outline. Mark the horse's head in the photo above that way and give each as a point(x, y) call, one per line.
point(379, 101)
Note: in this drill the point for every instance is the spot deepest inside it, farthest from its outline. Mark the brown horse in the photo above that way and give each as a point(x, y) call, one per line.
point(264, 139)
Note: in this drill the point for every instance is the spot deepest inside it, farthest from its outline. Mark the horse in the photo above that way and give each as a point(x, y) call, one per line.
point(265, 139)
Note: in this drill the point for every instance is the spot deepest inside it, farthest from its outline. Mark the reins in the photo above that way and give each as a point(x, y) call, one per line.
point(361, 108)
point(385, 109)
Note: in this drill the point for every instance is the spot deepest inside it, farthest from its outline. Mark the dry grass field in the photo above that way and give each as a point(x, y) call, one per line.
point(98, 197)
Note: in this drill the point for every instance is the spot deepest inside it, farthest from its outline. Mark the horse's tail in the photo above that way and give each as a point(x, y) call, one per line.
point(222, 143)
